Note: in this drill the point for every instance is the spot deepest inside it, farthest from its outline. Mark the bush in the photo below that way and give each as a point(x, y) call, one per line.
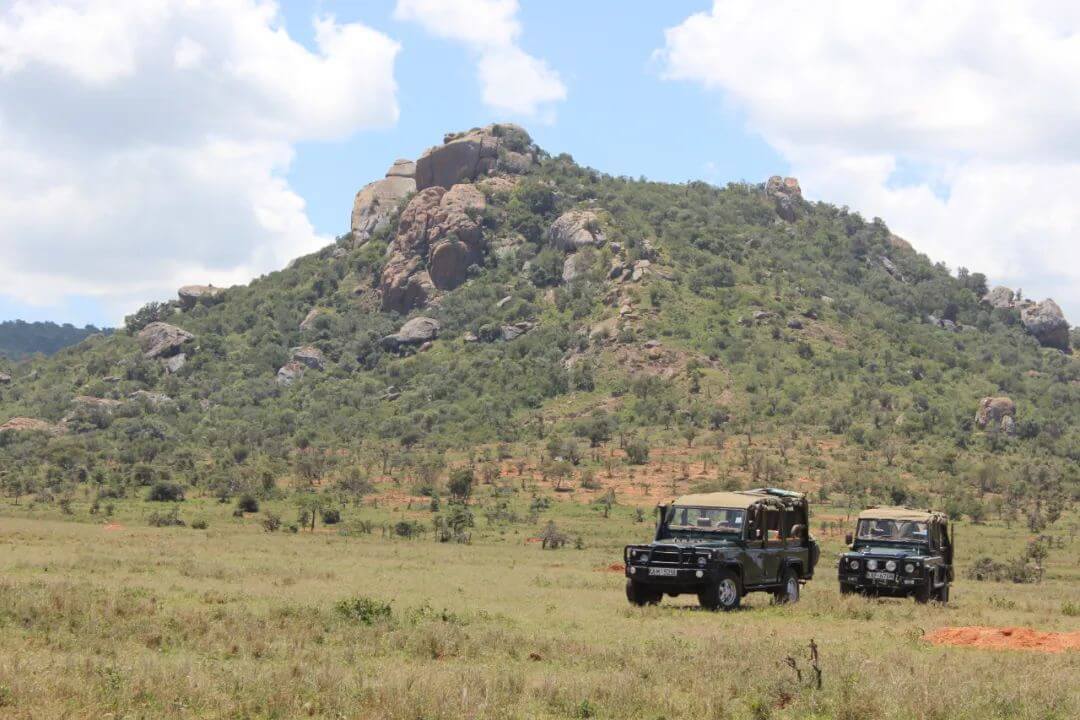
point(331, 516)
point(200, 524)
point(637, 452)
point(363, 610)
point(461, 482)
point(165, 492)
point(408, 529)
point(271, 522)
point(166, 519)
point(247, 503)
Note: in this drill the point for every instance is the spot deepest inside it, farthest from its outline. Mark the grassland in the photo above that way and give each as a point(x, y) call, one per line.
point(112, 618)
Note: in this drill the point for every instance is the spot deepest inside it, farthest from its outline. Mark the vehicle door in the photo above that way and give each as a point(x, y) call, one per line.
point(753, 565)
point(774, 549)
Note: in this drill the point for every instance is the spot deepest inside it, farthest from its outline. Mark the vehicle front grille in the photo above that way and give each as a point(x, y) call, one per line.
point(666, 556)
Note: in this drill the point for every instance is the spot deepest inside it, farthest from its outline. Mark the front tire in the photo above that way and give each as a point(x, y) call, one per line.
point(848, 589)
point(641, 595)
point(943, 594)
point(724, 594)
point(924, 593)
point(789, 589)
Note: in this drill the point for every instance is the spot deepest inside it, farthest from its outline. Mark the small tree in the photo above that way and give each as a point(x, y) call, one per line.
point(461, 483)
point(637, 452)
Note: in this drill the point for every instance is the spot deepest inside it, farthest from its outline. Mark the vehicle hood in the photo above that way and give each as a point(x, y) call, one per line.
point(692, 543)
point(885, 551)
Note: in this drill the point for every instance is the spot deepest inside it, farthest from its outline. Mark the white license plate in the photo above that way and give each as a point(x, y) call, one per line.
point(667, 572)
point(880, 576)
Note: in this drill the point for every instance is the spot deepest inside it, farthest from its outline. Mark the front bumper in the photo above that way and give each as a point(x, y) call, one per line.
point(671, 576)
point(900, 582)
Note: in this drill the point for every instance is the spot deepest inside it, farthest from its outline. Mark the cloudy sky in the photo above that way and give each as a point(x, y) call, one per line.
point(146, 144)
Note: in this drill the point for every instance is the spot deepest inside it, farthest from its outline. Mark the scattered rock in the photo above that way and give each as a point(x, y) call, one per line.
point(795, 324)
point(513, 332)
point(467, 156)
point(943, 323)
point(424, 347)
point(176, 363)
point(617, 270)
point(87, 401)
point(5, 379)
point(576, 229)
point(290, 372)
point(310, 356)
point(997, 412)
point(414, 332)
point(575, 266)
point(309, 320)
point(1047, 323)
point(25, 424)
point(470, 337)
point(898, 242)
point(786, 195)
point(502, 303)
point(641, 269)
point(650, 344)
point(890, 267)
point(762, 315)
point(153, 399)
point(999, 297)
point(162, 340)
point(191, 295)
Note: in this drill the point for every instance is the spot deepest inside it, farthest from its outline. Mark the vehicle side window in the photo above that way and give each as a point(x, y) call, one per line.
point(754, 527)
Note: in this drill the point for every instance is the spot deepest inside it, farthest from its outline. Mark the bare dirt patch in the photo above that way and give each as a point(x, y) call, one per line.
point(1005, 638)
point(613, 568)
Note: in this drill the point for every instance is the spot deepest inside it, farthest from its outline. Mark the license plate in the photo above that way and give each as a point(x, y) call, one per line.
point(881, 576)
point(667, 572)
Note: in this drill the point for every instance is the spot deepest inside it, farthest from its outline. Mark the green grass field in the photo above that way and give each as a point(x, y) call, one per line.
point(234, 622)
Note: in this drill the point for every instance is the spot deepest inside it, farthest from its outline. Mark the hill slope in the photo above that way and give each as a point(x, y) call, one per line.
point(790, 342)
point(19, 339)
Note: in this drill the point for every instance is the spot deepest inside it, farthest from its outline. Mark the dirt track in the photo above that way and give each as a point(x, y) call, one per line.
point(1005, 638)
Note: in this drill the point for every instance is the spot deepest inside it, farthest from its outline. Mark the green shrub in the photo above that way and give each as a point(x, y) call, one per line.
point(363, 610)
point(165, 519)
point(331, 516)
point(165, 492)
point(247, 503)
point(271, 522)
point(199, 524)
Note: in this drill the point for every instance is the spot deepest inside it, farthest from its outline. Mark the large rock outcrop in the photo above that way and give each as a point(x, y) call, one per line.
point(310, 356)
point(786, 194)
point(162, 340)
point(376, 202)
point(1047, 323)
point(25, 424)
point(576, 229)
point(467, 156)
point(191, 295)
point(438, 239)
point(416, 331)
point(996, 412)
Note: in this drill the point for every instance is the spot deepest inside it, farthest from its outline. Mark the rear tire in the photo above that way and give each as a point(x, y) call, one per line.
point(789, 589)
point(848, 589)
point(725, 594)
point(641, 595)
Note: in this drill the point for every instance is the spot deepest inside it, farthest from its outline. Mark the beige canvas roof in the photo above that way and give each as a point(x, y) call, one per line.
point(900, 513)
point(724, 499)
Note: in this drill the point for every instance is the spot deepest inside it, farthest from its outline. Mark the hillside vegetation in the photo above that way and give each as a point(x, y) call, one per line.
point(587, 321)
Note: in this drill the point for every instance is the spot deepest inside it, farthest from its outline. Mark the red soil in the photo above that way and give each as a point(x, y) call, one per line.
point(1009, 638)
point(613, 567)
point(114, 526)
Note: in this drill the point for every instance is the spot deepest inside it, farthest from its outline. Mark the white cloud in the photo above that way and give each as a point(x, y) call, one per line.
point(145, 143)
point(511, 80)
point(958, 123)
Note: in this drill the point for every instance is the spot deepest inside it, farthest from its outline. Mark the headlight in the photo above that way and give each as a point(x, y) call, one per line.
point(854, 564)
point(909, 568)
point(891, 566)
point(702, 560)
point(871, 564)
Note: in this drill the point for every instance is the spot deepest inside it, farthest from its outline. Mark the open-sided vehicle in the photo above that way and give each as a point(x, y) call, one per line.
point(899, 551)
point(723, 545)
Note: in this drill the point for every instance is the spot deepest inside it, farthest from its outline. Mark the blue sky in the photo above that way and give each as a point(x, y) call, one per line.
point(153, 146)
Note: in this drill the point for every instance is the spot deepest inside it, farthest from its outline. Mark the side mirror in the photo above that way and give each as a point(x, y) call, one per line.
point(848, 539)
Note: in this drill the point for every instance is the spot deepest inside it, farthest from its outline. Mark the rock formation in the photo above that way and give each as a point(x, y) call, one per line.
point(999, 297)
point(414, 332)
point(176, 363)
point(25, 424)
point(376, 202)
point(1047, 323)
point(153, 399)
point(467, 156)
point(162, 340)
point(310, 356)
point(438, 239)
point(309, 320)
point(5, 379)
point(290, 372)
point(786, 194)
point(191, 295)
point(576, 229)
point(997, 412)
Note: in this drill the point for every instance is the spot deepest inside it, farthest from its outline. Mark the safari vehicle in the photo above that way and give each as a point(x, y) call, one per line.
point(723, 545)
point(898, 551)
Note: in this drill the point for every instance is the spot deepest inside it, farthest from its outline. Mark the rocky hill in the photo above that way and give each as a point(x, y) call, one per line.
point(492, 294)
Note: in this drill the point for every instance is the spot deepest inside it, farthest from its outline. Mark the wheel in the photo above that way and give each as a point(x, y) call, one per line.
point(789, 588)
point(640, 595)
point(848, 589)
point(943, 594)
point(725, 594)
point(922, 594)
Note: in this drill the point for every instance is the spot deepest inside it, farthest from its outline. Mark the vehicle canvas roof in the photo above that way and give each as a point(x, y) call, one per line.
point(735, 499)
point(900, 513)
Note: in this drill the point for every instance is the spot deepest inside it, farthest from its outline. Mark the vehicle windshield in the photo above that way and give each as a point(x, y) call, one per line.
point(892, 530)
point(721, 520)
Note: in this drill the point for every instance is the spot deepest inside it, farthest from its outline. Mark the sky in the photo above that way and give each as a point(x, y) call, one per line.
point(148, 144)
